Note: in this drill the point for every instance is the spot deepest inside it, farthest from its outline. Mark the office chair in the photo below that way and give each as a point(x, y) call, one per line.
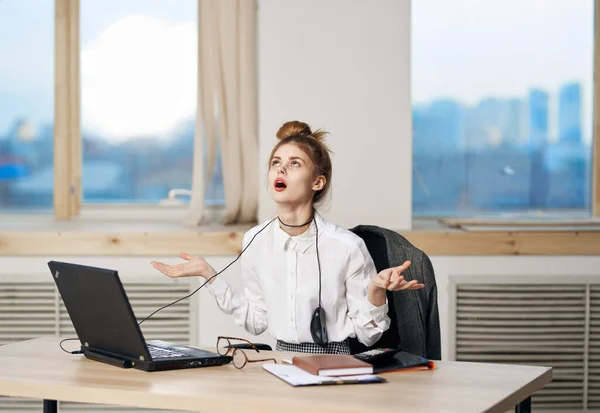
point(415, 324)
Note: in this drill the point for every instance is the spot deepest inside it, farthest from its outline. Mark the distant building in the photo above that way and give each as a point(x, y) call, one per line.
point(494, 122)
point(569, 113)
point(514, 129)
point(537, 106)
point(438, 128)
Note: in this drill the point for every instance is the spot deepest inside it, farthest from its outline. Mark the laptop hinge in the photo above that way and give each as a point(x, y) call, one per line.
point(108, 359)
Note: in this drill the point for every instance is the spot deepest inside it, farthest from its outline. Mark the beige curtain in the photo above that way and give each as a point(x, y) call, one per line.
point(227, 106)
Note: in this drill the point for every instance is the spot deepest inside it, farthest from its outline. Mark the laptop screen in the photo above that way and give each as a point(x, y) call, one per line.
point(99, 309)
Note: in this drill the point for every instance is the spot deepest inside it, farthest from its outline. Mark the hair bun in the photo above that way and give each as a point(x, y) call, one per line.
point(297, 128)
point(293, 128)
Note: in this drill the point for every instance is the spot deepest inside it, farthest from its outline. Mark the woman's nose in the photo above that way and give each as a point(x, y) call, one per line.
point(281, 170)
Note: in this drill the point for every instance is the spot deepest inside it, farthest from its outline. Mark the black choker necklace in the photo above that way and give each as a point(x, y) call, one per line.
point(295, 226)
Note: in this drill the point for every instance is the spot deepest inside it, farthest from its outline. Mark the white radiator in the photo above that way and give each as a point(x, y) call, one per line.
point(547, 321)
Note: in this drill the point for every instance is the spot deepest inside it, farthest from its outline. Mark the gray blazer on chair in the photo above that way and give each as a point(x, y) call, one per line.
point(415, 323)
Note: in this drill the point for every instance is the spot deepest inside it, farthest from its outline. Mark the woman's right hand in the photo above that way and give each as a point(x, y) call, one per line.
point(195, 266)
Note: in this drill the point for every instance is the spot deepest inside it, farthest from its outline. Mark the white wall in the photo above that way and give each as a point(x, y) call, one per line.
point(342, 65)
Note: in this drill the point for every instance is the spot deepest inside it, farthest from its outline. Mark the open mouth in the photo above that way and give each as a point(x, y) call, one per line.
point(280, 184)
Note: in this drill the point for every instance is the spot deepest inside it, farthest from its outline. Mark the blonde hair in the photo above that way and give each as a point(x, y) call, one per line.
point(311, 143)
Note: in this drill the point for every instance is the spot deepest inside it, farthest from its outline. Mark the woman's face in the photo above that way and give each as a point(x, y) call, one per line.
point(291, 176)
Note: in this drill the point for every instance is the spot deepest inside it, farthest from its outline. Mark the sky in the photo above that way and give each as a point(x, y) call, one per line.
point(149, 64)
point(468, 49)
point(138, 64)
point(139, 57)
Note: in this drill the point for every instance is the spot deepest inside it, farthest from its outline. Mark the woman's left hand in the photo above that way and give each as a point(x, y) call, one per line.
point(391, 279)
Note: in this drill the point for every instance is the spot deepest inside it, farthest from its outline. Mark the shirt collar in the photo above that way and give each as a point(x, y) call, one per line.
point(280, 236)
point(304, 241)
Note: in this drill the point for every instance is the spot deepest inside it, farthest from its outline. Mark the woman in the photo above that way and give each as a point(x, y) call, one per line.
point(299, 262)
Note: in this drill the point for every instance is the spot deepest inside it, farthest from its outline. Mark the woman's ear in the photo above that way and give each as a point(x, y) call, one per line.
point(319, 183)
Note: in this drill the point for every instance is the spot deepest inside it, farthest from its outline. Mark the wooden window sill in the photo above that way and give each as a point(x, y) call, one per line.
point(39, 236)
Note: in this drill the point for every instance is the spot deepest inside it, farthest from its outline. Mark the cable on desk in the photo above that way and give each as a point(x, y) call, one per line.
point(67, 351)
point(207, 281)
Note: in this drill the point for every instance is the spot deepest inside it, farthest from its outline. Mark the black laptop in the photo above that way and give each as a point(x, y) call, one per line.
point(107, 328)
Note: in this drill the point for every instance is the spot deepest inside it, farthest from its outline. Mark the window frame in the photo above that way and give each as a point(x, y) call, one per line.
point(596, 115)
point(594, 211)
point(67, 134)
point(68, 157)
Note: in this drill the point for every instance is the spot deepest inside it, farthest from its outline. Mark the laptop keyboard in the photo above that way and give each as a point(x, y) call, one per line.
point(157, 352)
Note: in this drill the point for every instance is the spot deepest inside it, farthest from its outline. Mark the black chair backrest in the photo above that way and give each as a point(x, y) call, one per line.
point(414, 317)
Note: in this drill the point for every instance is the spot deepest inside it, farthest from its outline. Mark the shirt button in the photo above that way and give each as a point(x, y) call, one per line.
point(293, 273)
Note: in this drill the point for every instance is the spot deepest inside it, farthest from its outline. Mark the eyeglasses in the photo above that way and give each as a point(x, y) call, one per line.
point(240, 358)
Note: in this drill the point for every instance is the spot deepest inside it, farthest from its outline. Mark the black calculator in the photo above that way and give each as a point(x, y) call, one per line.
point(376, 355)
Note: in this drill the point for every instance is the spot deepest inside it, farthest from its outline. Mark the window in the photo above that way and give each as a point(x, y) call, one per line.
point(502, 106)
point(139, 62)
point(26, 104)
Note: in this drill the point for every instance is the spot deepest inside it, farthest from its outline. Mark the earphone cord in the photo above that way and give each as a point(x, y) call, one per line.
point(229, 265)
point(207, 281)
point(318, 261)
point(182, 298)
point(238, 257)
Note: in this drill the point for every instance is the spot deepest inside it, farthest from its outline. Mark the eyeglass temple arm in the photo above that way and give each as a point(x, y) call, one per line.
point(259, 360)
point(241, 346)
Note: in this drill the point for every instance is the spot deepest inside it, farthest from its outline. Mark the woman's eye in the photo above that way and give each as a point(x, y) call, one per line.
point(274, 163)
point(295, 163)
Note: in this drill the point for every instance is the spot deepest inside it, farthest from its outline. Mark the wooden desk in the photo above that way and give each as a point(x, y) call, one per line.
point(39, 369)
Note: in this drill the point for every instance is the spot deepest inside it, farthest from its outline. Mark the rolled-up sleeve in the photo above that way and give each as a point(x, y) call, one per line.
point(369, 321)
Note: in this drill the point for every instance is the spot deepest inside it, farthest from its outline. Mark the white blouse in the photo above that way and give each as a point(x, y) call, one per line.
point(281, 285)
